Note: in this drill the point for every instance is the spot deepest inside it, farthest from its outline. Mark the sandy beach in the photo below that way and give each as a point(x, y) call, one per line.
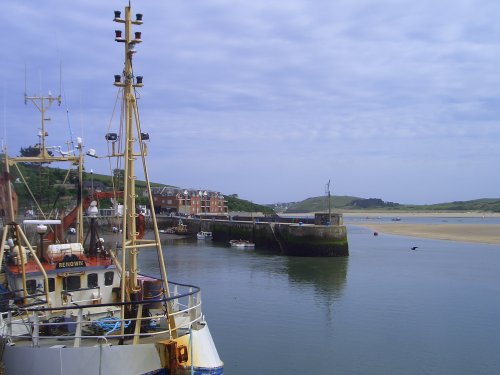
point(478, 233)
point(443, 214)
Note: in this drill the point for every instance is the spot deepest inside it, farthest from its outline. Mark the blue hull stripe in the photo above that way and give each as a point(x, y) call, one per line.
point(187, 371)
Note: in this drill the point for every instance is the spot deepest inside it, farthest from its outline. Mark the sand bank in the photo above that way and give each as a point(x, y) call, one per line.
point(478, 233)
point(455, 214)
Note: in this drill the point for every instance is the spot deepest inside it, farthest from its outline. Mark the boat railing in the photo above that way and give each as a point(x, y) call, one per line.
point(14, 297)
point(88, 324)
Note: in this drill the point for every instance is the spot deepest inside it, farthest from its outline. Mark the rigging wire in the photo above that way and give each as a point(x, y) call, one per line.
point(62, 90)
point(113, 179)
point(146, 177)
point(4, 140)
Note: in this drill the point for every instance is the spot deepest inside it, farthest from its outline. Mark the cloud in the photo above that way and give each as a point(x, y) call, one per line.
point(287, 93)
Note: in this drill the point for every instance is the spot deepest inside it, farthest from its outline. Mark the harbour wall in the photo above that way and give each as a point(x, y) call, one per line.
point(294, 239)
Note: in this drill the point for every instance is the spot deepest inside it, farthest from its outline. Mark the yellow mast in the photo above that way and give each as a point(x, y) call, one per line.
point(129, 210)
point(130, 241)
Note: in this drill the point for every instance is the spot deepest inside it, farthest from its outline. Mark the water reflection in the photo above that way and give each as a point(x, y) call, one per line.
point(326, 275)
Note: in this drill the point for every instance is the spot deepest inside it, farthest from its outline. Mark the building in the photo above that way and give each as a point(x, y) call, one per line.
point(94, 185)
point(188, 201)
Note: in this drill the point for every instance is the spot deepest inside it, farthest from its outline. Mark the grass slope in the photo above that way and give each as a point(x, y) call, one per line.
point(346, 203)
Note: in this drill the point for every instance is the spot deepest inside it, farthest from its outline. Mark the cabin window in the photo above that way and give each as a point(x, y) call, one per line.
point(71, 283)
point(108, 278)
point(92, 280)
point(52, 284)
point(31, 286)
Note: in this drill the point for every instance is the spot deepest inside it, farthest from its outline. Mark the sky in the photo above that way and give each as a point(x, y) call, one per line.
point(390, 99)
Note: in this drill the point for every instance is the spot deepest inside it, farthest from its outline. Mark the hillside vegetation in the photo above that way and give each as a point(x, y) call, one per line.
point(53, 188)
point(348, 203)
point(241, 205)
point(48, 183)
point(484, 204)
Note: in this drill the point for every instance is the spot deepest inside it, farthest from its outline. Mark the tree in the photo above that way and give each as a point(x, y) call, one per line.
point(30, 151)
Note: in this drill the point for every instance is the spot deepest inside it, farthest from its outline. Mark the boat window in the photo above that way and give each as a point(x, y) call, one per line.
point(71, 283)
point(31, 286)
point(108, 278)
point(92, 280)
point(52, 284)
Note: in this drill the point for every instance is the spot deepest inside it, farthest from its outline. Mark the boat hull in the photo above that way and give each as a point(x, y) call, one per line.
point(100, 359)
point(109, 359)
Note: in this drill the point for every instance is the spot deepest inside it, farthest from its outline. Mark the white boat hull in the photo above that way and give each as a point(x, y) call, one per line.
point(204, 235)
point(108, 359)
point(101, 359)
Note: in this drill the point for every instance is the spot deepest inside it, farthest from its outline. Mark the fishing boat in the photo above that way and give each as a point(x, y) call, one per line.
point(83, 307)
point(203, 235)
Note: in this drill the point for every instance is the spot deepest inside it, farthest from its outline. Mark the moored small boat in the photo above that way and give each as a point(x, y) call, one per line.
point(242, 244)
point(181, 228)
point(168, 231)
point(203, 235)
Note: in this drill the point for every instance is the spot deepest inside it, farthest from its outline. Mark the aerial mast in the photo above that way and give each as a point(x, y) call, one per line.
point(329, 203)
point(132, 240)
point(126, 80)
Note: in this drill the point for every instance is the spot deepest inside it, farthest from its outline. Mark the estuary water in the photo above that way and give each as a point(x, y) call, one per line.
point(385, 309)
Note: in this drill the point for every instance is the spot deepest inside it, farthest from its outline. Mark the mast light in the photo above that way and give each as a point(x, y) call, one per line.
point(118, 81)
point(93, 211)
point(138, 19)
point(144, 136)
point(111, 137)
point(41, 229)
point(118, 36)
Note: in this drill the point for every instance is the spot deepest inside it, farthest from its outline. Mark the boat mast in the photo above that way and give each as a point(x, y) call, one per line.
point(131, 241)
point(43, 103)
point(79, 193)
point(130, 107)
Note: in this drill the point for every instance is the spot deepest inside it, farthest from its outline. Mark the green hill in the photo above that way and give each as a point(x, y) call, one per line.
point(236, 204)
point(484, 204)
point(349, 203)
point(316, 204)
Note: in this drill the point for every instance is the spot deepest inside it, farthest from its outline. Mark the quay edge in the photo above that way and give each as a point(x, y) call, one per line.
point(292, 239)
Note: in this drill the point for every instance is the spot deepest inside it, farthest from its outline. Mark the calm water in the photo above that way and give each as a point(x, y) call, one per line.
point(384, 310)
